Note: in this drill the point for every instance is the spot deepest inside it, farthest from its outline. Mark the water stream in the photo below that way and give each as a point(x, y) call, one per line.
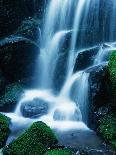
point(63, 17)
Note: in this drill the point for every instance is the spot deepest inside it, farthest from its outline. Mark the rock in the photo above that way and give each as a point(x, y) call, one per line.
point(17, 57)
point(99, 92)
point(60, 115)
point(29, 28)
point(3, 82)
point(34, 108)
point(4, 129)
point(85, 58)
point(12, 13)
point(35, 140)
point(10, 97)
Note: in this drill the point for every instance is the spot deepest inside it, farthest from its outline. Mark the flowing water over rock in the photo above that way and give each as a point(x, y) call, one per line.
point(64, 110)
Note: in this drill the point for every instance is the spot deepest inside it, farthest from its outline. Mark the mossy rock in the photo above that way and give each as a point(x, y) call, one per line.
point(59, 152)
point(108, 129)
point(34, 141)
point(112, 69)
point(10, 97)
point(4, 129)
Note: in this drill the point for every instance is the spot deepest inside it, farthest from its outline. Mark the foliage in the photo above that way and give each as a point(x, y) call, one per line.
point(108, 129)
point(112, 69)
point(34, 141)
point(4, 129)
point(59, 152)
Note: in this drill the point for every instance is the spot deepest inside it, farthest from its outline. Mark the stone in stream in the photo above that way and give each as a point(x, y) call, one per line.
point(34, 108)
point(85, 58)
point(60, 115)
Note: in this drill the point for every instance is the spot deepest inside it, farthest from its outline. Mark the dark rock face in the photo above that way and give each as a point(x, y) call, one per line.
point(99, 93)
point(17, 57)
point(34, 108)
point(12, 13)
point(85, 58)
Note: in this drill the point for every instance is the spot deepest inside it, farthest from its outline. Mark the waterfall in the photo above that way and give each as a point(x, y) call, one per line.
point(64, 17)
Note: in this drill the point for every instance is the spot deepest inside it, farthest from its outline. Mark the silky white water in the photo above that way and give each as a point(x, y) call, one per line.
point(63, 18)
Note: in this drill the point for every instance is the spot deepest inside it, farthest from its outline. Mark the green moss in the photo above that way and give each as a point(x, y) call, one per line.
point(112, 69)
point(59, 152)
point(4, 129)
point(108, 129)
point(34, 141)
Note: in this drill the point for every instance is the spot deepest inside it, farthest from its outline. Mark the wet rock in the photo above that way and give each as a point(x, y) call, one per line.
point(60, 115)
point(10, 96)
point(99, 92)
point(85, 58)
point(34, 108)
point(17, 57)
point(29, 28)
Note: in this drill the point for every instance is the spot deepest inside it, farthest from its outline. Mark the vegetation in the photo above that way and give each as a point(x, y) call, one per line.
point(108, 129)
point(34, 141)
point(112, 69)
point(59, 152)
point(4, 129)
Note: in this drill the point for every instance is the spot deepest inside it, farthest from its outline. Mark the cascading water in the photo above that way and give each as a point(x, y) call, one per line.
point(63, 17)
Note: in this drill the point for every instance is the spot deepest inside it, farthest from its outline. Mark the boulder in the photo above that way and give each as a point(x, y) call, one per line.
point(10, 97)
point(85, 58)
point(34, 108)
point(17, 57)
point(34, 141)
point(60, 115)
point(99, 92)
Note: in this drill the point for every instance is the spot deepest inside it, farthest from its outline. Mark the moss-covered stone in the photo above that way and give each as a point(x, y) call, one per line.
point(112, 69)
point(108, 129)
point(10, 97)
point(59, 152)
point(34, 141)
point(4, 129)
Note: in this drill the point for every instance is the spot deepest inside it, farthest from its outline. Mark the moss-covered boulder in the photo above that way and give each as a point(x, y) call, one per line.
point(112, 70)
point(34, 141)
point(10, 97)
point(59, 152)
point(107, 129)
point(4, 129)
